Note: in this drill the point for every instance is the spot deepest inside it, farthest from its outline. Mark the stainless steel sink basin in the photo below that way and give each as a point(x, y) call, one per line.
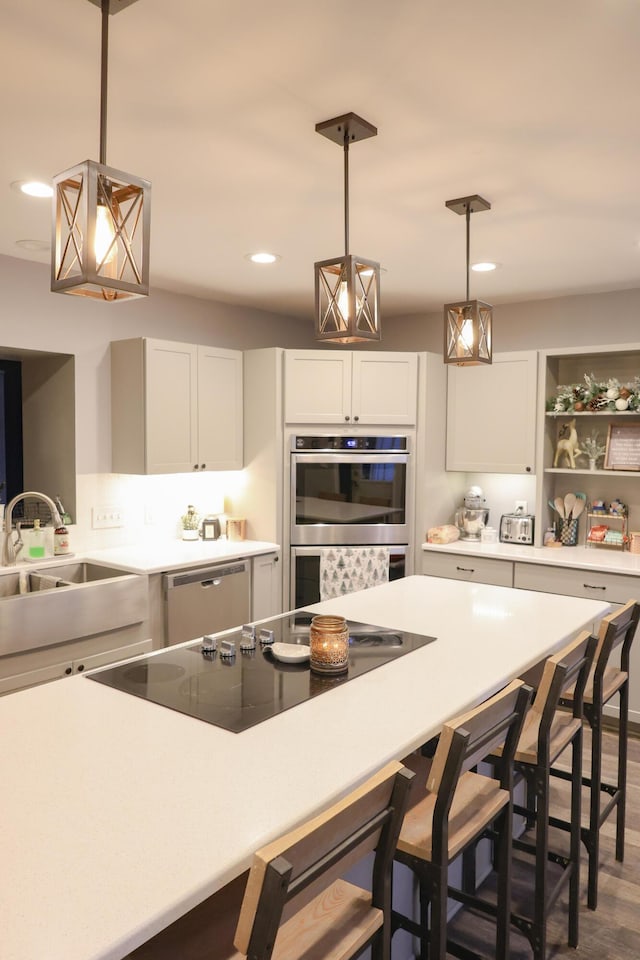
point(32, 582)
point(68, 601)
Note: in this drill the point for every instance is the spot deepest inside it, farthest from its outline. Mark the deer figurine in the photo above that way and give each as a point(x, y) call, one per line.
point(567, 445)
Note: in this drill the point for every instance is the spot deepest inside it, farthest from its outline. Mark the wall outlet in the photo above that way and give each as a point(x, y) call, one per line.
point(521, 506)
point(106, 517)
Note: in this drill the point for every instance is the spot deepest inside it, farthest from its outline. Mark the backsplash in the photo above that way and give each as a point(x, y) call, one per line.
point(150, 507)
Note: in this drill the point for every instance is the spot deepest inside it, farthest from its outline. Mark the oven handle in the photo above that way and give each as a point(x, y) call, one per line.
point(376, 456)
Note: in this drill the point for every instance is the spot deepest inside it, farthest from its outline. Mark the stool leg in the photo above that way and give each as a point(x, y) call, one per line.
point(623, 736)
point(540, 907)
point(503, 866)
point(576, 837)
point(594, 809)
point(438, 927)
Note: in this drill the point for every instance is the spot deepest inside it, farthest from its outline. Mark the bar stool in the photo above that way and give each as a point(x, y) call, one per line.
point(455, 809)
point(296, 879)
point(548, 731)
point(604, 681)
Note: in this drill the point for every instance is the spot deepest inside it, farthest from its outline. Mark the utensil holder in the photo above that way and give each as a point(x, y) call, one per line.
point(567, 532)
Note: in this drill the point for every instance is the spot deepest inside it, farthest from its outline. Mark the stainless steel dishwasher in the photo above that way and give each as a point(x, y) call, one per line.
point(207, 600)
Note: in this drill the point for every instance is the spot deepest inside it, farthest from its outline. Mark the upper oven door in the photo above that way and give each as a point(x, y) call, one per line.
point(349, 498)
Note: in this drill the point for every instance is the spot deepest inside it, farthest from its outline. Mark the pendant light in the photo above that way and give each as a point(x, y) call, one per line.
point(467, 325)
point(101, 215)
point(347, 289)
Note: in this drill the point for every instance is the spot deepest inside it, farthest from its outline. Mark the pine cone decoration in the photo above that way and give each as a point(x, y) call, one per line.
point(594, 404)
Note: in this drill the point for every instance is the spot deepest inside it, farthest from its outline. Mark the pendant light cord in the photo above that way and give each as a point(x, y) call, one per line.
point(468, 217)
point(346, 192)
point(103, 82)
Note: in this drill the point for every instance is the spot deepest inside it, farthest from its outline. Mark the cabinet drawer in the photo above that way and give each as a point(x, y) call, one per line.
point(460, 567)
point(592, 585)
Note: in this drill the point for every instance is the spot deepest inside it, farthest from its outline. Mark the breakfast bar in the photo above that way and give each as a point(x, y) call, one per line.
point(118, 815)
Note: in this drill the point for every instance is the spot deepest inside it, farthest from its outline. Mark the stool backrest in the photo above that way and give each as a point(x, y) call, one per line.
point(289, 872)
point(472, 736)
point(569, 668)
point(616, 629)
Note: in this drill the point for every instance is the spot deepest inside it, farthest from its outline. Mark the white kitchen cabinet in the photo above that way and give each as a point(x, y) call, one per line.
point(75, 661)
point(266, 587)
point(321, 386)
point(175, 407)
point(491, 415)
point(464, 567)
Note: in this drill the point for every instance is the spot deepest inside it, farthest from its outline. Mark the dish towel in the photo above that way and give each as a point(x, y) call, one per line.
point(347, 569)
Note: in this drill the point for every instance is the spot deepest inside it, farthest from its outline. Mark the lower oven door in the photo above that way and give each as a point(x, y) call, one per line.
point(305, 572)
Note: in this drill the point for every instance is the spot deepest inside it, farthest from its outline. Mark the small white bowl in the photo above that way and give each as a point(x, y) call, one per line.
point(291, 652)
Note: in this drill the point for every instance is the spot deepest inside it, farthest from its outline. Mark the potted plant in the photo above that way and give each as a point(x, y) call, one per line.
point(190, 524)
point(593, 449)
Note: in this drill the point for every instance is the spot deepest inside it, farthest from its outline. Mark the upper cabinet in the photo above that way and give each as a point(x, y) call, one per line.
point(175, 407)
point(321, 386)
point(491, 415)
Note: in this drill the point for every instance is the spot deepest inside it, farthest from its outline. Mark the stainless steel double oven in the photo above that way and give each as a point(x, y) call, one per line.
point(347, 490)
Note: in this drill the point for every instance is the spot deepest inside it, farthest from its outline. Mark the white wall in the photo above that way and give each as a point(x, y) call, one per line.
point(597, 318)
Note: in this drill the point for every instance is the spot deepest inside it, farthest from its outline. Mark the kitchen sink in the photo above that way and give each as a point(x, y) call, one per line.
point(68, 601)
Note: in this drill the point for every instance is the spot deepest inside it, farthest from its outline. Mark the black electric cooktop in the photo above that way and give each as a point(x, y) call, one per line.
point(239, 691)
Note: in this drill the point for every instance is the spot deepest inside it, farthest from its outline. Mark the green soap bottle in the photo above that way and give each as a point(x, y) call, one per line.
point(36, 546)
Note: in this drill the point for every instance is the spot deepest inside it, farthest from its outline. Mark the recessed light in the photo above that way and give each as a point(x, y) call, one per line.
point(484, 266)
point(33, 188)
point(262, 257)
point(34, 246)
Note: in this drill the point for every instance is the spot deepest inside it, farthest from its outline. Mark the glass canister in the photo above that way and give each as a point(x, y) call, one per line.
point(329, 642)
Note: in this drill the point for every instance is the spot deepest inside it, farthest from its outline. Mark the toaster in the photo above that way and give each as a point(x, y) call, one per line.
point(517, 528)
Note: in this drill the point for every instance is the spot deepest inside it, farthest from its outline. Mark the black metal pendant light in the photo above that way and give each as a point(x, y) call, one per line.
point(467, 324)
point(101, 215)
point(347, 289)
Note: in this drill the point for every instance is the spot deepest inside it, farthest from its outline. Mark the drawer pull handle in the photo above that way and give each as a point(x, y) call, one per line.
point(591, 586)
point(466, 569)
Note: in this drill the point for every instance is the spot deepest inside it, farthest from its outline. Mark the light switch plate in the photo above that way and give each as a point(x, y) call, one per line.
point(106, 517)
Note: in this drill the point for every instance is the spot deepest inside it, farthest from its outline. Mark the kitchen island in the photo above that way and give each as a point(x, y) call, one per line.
point(117, 816)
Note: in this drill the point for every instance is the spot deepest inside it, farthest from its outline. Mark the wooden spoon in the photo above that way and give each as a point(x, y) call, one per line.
point(569, 505)
point(559, 505)
point(579, 507)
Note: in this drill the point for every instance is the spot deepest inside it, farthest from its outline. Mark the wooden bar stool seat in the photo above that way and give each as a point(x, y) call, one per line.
point(604, 682)
point(451, 806)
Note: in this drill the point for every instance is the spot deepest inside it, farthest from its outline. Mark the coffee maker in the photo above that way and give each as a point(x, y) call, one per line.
point(473, 516)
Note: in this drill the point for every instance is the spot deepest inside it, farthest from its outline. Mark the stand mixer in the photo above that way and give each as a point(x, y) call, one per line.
point(473, 516)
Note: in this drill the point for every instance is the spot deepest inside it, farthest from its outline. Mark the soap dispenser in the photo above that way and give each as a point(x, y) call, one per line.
point(36, 542)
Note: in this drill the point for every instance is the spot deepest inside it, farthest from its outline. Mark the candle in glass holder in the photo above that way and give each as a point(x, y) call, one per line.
point(329, 642)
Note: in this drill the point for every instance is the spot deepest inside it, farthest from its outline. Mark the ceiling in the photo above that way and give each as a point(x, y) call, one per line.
point(534, 106)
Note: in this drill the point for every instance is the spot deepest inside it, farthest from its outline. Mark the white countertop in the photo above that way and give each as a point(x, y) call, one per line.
point(583, 558)
point(159, 556)
point(117, 815)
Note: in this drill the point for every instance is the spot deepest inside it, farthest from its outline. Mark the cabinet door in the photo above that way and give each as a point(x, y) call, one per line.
point(317, 386)
point(265, 590)
point(171, 398)
point(219, 409)
point(384, 388)
point(491, 415)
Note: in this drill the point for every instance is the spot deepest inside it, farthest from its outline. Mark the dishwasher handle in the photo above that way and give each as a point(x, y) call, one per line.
point(206, 576)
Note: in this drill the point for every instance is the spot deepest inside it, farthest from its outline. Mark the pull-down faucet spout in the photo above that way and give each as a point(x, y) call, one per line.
point(9, 552)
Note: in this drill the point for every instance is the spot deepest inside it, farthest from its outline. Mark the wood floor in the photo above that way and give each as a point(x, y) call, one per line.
point(612, 932)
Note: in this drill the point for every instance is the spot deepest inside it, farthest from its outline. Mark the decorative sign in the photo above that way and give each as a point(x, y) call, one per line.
point(623, 447)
